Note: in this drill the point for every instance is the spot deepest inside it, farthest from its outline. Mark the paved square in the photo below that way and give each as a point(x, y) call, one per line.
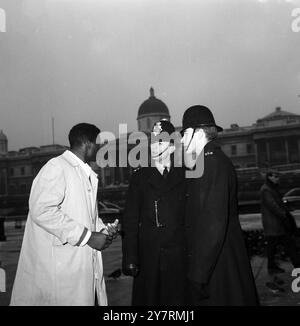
point(119, 289)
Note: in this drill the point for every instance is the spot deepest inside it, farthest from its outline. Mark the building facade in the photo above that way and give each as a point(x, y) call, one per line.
point(271, 142)
point(19, 168)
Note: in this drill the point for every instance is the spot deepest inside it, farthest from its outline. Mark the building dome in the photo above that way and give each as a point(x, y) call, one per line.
point(278, 114)
point(153, 106)
point(2, 136)
point(151, 111)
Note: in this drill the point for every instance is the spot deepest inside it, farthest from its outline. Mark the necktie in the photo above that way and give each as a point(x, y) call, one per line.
point(165, 173)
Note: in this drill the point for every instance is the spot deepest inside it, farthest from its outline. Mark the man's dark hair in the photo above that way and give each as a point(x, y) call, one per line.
point(211, 132)
point(81, 133)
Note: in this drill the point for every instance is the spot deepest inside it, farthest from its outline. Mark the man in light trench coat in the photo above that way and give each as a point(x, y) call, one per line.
point(60, 261)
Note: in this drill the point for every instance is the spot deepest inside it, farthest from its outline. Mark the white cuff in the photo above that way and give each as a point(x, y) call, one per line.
point(86, 239)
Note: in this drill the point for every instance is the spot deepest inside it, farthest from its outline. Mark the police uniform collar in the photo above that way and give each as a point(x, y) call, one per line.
point(175, 176)
point(210, 147)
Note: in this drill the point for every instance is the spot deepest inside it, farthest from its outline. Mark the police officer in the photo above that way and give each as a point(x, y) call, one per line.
point(153, 226)
point(219, 271)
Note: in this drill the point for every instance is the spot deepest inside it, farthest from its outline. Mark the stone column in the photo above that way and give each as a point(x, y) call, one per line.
point(102, 172)
point(112, 173)
point(268, 152)
point(255, 153)
point(6, 181)
point(286, 145)
point(2, 229)
point(299, 150)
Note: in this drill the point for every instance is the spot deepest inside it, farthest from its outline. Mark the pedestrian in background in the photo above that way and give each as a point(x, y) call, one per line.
point(278, 224)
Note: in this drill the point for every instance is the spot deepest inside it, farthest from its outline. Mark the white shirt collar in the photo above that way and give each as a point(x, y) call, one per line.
point(86, 168)
point(161, 166)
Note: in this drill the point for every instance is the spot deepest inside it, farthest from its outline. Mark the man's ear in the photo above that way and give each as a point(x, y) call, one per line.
point(88, 144)
point(201, 133)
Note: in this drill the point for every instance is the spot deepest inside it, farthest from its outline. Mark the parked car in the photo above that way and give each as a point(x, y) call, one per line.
point(108, 211)
point(292, 199)
point(112, 205)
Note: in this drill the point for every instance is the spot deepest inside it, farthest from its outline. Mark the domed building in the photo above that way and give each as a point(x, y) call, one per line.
point(3, 143)
point(151, 111)
point(278, 117)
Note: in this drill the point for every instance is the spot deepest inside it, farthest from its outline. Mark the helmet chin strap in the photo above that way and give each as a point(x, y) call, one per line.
point(191, 139)
point(162, 152)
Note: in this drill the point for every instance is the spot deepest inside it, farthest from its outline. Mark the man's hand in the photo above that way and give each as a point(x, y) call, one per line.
point(110, 232)
point(131, 270)
point(98, 241)
point(112, 229)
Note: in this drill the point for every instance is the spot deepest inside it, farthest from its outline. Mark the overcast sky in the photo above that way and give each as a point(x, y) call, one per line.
point(95, 60)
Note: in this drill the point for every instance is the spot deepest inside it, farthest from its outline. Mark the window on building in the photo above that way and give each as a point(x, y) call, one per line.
point(126, 175)
point(249, 148)
point(2, 182)
point(278, 153)
point(293, 150)
point(11, 172)
point(148, 123)
point(117, 176)
point(233, 150)
point(11, 189)
point(107, 180)
point(262, 153)
point(23, 188)
point(22, 170)
point(107, 176)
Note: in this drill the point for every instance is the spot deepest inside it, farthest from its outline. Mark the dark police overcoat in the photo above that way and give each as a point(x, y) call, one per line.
point(158, 250)
point(217, 255)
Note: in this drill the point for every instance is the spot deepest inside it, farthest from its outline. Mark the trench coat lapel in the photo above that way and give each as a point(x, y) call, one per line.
point(94, 184)
point(87, 189)
point(175, 176)
point(154, 177)
point(88, 186)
